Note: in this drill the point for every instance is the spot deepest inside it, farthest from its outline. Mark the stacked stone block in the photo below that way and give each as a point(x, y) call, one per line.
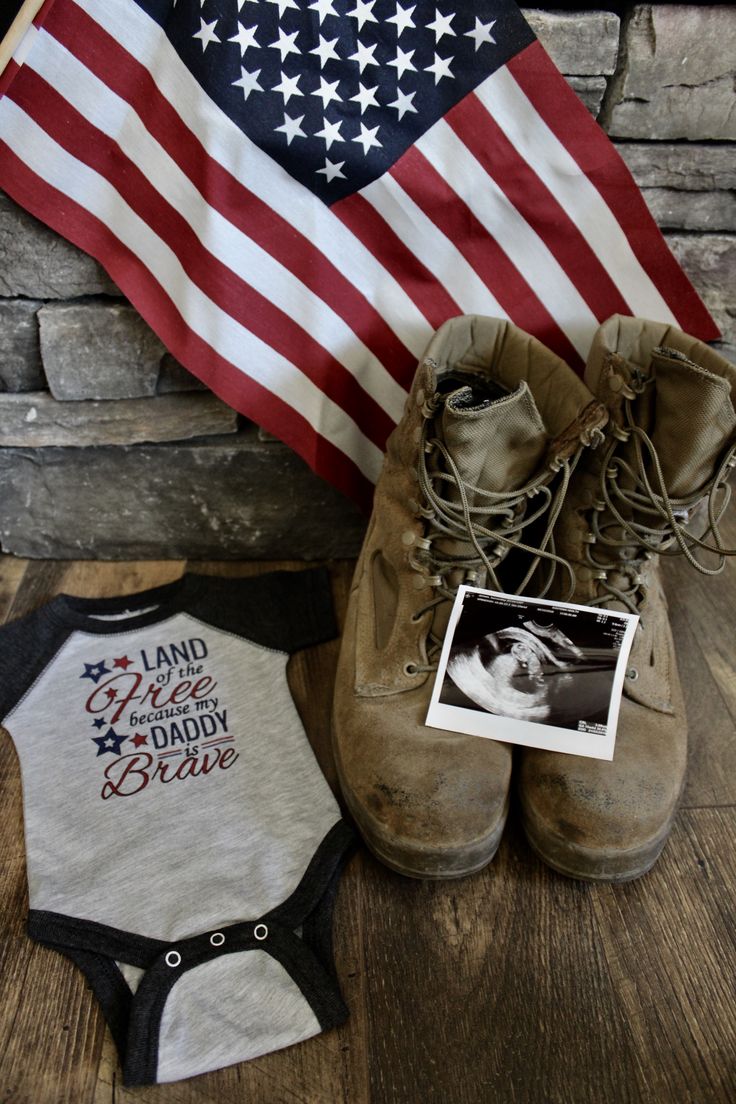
point(110, 449)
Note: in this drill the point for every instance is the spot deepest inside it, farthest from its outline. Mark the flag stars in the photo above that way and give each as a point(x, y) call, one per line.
point(332, 171)
point(481, 33)
point(327, 91)
point(245, 38)
point(139, 739)
point(331, 133)
point(99, 723)
point(364, 55)
point(323, 9)
point(123, 662)
point(326, 51)
point(442, 25)
point(292, 128)
point(285, 44)
point(404, 103)
point(366, 97)
point(248, 82)
point(206, 33)
point(402, 62)
point(440, 67)
point(367, 138)
point(288, 87)
point(363, 12)
point(402, 19)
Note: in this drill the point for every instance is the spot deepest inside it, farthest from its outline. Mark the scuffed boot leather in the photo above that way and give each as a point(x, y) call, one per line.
point(671, 439)
point(493, 425)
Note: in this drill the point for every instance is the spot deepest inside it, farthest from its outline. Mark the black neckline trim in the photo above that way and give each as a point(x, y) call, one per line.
point(79, 613)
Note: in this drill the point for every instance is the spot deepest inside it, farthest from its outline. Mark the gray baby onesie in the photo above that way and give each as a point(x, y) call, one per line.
point(183, 847)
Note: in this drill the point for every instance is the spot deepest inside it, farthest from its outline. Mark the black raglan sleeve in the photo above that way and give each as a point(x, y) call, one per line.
point(285, 610)
point(27, 646)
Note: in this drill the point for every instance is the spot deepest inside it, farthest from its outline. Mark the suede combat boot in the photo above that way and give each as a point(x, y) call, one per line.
point(671, 438)
point(472, 482)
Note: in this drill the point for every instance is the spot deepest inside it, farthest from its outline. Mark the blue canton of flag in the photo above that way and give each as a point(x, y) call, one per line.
point(337, 90)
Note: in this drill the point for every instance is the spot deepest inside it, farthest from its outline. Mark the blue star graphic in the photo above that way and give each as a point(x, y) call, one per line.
point(95, 671)
point(111, 742)
point(100, 722)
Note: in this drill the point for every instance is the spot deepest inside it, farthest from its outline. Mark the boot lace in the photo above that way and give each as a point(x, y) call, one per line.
point(461, 521)
point(646, 516)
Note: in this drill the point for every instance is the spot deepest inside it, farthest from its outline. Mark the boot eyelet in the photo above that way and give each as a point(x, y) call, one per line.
point(619, 433)
point(417, 617)
point(411, 670)
point(632, 674)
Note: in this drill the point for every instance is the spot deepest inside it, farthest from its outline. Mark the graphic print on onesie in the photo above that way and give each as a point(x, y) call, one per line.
point(183, 847)
point(167, 701)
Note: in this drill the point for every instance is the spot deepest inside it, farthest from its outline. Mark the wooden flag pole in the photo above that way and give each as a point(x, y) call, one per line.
point(17, 29)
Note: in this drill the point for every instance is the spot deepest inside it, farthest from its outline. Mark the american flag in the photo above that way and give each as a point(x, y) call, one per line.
point(296, 193)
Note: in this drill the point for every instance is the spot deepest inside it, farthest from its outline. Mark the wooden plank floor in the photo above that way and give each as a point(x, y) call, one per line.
point(515, 985)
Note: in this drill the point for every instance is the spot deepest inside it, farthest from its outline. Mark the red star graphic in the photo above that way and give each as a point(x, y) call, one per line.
point(139, 739)
point(123, 662)
point(111, 694)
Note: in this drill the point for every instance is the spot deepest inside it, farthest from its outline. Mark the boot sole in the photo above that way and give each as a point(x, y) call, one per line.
point(594, 866)
point(426, 866)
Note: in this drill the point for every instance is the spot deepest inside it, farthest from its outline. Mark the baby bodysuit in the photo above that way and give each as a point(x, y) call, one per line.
point(183, 847)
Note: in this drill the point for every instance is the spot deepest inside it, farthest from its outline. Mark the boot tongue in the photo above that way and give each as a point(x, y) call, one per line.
point(497, 445)
point(689, 416)
point(693, 418)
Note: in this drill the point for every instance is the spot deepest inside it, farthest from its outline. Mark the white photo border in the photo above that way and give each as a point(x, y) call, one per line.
point(549, 737)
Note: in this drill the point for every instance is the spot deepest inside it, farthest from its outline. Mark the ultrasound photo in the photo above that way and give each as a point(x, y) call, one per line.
point(538, 663)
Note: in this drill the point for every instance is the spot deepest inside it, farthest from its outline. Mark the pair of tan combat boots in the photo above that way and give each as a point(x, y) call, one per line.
point(508, 471)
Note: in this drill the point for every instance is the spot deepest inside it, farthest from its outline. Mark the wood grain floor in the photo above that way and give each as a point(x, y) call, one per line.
point(515, 985)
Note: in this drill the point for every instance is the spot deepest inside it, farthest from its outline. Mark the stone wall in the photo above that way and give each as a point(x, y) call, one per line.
point(109, 449)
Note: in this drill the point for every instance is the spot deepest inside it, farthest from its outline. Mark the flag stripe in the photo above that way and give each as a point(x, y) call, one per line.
point(211, 268)
point(364, 221)
point(266, 407)
point(234, 343)
point(438, 253)
point(549, 158)
point(526, 251)
point(229, 147)
point(590, 150)
point(128, 80)
point(516, 299)
point(502, 160)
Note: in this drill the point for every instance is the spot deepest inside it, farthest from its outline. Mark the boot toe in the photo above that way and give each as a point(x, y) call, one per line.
point(429, 803)
point(606, 821)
